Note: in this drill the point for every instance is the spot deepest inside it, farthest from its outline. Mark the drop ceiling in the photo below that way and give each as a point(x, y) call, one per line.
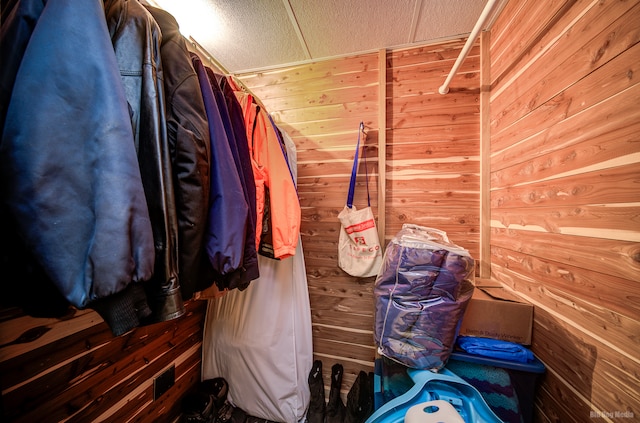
point(244, 35)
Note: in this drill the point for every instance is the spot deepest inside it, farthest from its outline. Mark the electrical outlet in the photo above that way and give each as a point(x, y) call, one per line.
point(164, 381)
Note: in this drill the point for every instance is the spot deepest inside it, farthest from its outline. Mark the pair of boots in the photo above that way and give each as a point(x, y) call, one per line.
point(359, 399)
point(206, 403)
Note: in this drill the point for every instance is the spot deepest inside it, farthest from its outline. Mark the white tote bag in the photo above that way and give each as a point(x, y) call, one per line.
point(359, 249)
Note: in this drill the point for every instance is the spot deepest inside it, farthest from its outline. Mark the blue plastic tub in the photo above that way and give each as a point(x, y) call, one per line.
point(507, 386)
point(430, 386)
point(536, 366)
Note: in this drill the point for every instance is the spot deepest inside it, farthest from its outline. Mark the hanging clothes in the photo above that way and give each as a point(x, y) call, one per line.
point(228, 209)
point(40, 297)
point(136, 40)
point(69, 174)
point(189, 144)
point(264, 348)
point(134, 180)
point(290, 148)
point(250, 257)
point(272, 177)
point(240, 135)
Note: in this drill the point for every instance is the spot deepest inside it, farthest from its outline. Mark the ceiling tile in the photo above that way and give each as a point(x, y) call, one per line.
point(336, 27)
point(447, 18)
point(240, 34)
point(248, 35)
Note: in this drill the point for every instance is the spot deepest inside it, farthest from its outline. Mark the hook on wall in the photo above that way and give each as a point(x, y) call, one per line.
point(364, 128)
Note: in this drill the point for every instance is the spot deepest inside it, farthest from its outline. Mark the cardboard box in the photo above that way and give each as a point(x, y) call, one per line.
point(494, 312)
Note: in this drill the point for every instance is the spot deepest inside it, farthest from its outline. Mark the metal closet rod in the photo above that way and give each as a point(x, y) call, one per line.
point(202, 51)
point(467, 46)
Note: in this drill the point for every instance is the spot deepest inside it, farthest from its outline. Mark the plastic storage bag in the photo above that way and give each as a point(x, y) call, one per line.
point(421, 293)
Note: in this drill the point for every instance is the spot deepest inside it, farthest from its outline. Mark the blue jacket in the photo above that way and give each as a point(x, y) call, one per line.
point(68, 169)
point(228, 209)
point(242, 159)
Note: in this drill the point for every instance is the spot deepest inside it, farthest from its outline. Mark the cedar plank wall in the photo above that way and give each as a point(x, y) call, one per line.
point(433, 143)
point(432, 167)
point(320, 105)
point(564, 214)
point(74, 369)
point(565, 172)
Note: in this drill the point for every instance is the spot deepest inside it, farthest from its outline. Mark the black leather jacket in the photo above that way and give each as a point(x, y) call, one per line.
point(188, 133)
point(136, 40)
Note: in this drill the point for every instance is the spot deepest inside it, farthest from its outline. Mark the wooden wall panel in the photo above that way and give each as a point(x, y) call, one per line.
point(564, 213)
point(433, 147)
point(526, 25)
point(320, 105)
point(432, 166)
point(74, 369)
point(565, 210)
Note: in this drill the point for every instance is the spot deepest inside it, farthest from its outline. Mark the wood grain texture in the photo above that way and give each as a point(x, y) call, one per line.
point(571, 293)
point(430, 53)
point(320, 106)
point(382, 143)
point(485, 156)
point(583, 48)
point(575, 111)
point(77, 371)
point(561, 208)
point(564, 204)
point(430, 160)
point(521, 28)
point(601, 374)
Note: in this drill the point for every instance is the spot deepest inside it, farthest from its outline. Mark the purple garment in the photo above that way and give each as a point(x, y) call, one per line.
point(240, 134)
point(421, 293)
point(455, 268)
point(228, 209)
point(250, 270)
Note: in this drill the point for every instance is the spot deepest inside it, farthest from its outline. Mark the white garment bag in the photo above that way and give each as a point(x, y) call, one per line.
point(260, 339)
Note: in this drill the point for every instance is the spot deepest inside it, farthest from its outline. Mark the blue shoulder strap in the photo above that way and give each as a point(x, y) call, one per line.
point(354, 171)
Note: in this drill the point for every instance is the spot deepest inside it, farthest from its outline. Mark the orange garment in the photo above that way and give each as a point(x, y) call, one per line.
point(270, 170)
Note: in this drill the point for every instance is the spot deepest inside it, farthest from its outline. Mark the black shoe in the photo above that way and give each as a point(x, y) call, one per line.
point(197, 407)
point(230, 414)
point(359, 400)
point(317, 406)
point(217, 388)
point(335, 407)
